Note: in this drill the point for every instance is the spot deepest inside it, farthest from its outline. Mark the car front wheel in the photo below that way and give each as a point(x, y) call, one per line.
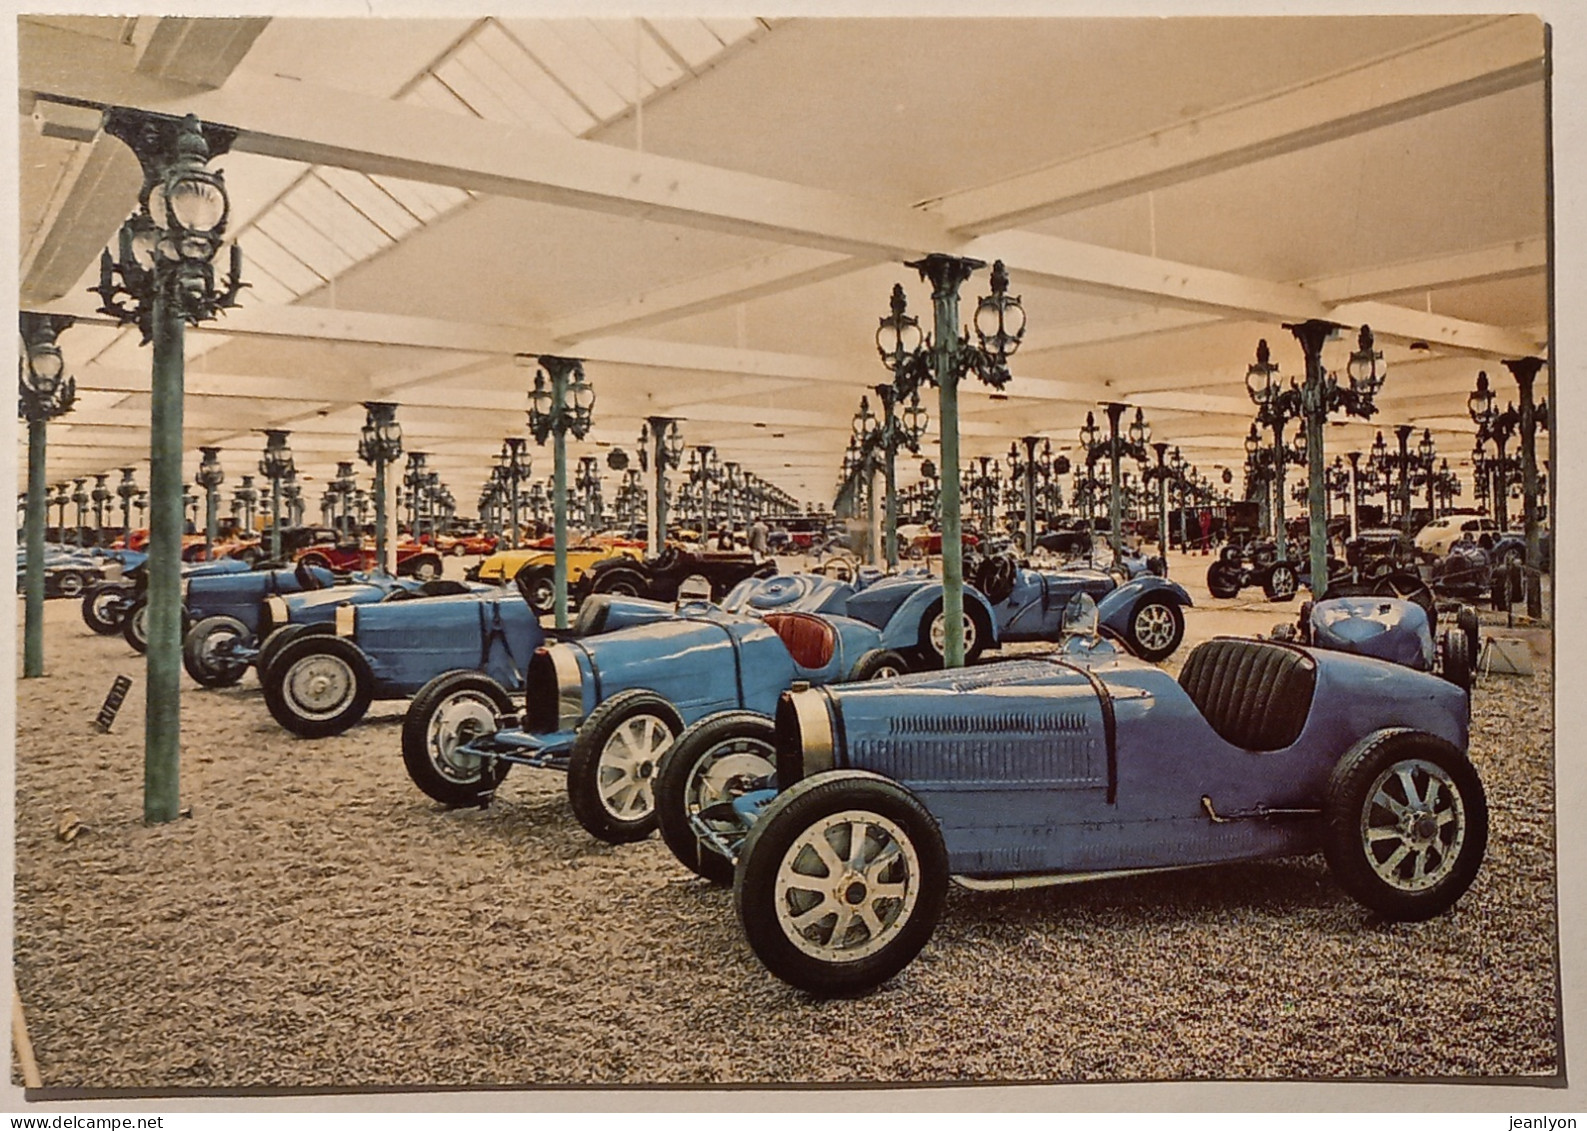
point(104, 608)
point(1223, 579)
point(1282, 582)
point(841, 882)
point(318, 686)
point(716, 760)
point(612, 768)
point(207, 651)
point(1405, 824)
point(1155, 628)
point(450, 711)
point(135, 625)
point(934, 633)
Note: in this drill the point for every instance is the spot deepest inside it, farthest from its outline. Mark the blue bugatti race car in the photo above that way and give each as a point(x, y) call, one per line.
point(847, 814)
point(606, 702)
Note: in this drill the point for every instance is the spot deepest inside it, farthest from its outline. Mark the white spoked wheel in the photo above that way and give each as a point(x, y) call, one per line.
point(938, 635)
point(318, 687)
point(1156, 627)
point(841, 881)
point(714, 762)
point(1406, 823)
point(447, 714)
point(612, 768)
point(847, 886)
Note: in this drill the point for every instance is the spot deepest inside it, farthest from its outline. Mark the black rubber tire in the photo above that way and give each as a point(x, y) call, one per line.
point(135, 625)
point(196, 657)
point(622, 581)
point(271, 646)
point(1281, 582)
point(423, 567)
point(1146, 609)
point(1223, 579)
point(931, 659)
point(1511, 556)
point(304, 649)
point(1459, 663)
point(788, 820)
point(740, 735)
point(104, 608)
point(458, 550)
point(251, 555)
point(456, 788)
point(1231, 555)
point(1467, 621)
point(70, 583)
point(311, 560)
point(586, 769)
point(1348, 808)
point(878, 663)
point(538, 584)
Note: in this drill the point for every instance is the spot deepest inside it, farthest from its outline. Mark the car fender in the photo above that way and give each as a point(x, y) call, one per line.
point(1113, 611)
point(903, 627)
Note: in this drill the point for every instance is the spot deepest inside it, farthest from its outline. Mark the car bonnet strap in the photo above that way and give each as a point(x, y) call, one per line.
point(1109, 723)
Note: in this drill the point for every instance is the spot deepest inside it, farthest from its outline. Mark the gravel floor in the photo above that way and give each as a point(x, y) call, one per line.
point(319, 922)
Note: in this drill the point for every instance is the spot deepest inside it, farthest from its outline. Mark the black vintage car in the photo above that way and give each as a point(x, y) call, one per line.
point(658, 578)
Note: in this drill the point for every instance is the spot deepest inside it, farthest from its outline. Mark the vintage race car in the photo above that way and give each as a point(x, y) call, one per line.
point(233, 626)
point(538, 568)
point(413, 559)
point(658, 578)
point(118, 603)
point(605, 703)
point(226, 586)
point(69, 572)
point(1003, 604)
point(1077, 765)
point(322, 679)
point(460, 545)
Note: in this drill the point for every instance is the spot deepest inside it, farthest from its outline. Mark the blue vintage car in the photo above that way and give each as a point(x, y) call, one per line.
point(118, 603)
point(1003, 603)
point(605, 703)
point(1077, 765)
point(242, 620)
point(322, 680)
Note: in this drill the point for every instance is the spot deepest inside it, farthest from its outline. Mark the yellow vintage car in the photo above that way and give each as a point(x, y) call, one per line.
point(538, 566)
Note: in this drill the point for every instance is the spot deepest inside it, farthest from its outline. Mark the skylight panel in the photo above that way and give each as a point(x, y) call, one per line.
point(426, 201)
point(730, 31)
point(339, 221)
point(432, 92)
point(518, 71)
point(468, 86)
point(322, 256)
point(692, 40)
point(259, 248)
point(263, 288)
point(548, 41)
point(370, 199)
point(631, 41)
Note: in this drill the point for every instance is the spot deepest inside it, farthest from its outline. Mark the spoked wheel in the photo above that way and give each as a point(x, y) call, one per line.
point(1282, 582)
point(427, 568)
point(1408, 587)
point(612, 768)
point(1223, 579)
point(716, 760)
point(70, 583)
point(878, 663)
point(539, 588)
point(934, 633)
point(104, 608)
point(1406, 823)
point(207, 651)
point(318, 686)
point(1156, 627)
point(841, 882)
point(135, 625)
point(450, 711)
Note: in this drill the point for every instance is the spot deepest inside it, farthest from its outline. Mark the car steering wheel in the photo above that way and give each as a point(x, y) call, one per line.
point(307, 580)
point(666, 559)
point(839, 567)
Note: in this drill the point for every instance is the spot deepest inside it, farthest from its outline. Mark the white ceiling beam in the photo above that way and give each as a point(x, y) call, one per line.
point(1483, 265)
point(202, 52)
point(1470, 63)
point(1402, 324)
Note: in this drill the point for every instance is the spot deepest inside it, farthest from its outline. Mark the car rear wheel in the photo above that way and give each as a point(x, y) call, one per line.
point(318, 686)
point(1466, 620)
point(451, 710)
point(539, 587)
point(719, 758)
point(878, 663)
point(70, 583)
point(104, 608)
point(458, 549)
point(1282, 582)
point(621, 582)
point(1458, 660)
point(426, 567)
point(612, 768)
point(1155, 628)
point(1223, 579)
point(934, 633)
point(135, 625)
point(271, 646)
point(841, 882)
point(207, 651)
point(1405, 824)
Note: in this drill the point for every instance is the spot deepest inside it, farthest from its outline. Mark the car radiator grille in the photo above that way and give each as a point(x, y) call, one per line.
point(1007, 760)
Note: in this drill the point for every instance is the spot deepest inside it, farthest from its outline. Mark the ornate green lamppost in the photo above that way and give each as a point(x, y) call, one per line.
point(944, 360)
point(244, 504)
point(1320, 395)
point(379, 445)
point(1426, 455)
point(210, 477)
point(43, 393)
point(127, 490)
point(80, 501)
point(61, 499)
point(165, 274)
point(562, 401)
point(1116, 447)
point(516, 466)
point(100, 495)
point(1275, 407)
point(660, 447)
point(276, 465)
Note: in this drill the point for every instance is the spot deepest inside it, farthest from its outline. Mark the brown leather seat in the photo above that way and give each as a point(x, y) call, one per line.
point(809, 639)
point(1255, 693)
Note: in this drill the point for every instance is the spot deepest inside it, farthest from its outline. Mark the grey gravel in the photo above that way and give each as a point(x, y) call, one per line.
point(319, 922)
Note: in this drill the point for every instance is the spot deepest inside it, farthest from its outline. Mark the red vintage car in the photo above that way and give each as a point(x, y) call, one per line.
point(413, 559)
point(459, 545)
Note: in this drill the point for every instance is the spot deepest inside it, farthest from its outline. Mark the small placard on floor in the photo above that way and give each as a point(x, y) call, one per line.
point(1506, 655)
point(113, 701)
